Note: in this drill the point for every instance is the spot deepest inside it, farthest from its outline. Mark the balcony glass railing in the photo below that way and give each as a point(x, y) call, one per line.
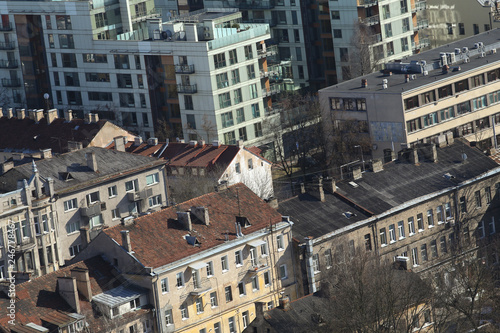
point(187, 88)
point(372, 20)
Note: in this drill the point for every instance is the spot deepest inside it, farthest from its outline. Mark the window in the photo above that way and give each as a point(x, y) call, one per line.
point(411, 102)
point(127, 101)
point(199, 305)
point(135, 303)
point(184, 311)
point(217, 328)
point(228, 293)
point(335, 15)
point(476, 28)
point(238, 258)
point(224, 264)
point(383, 237)
point(69, 60)
point(155, 200)
point(168, 317)
point(264, 249)
point(449, 27)
point(213, 299)
point(229, 138)
point(328, 258)
point(406, 25)
point(222, 80)
point(243, 133)
point(480, 230)
point(66, 41)
point(70, 205)
point(257, 127)
point(95, 58)
point(487, 194)
point(237, 168)
point(479, 103)
point(219, 60)
point(251, 72)
point(232, 326)
point(74, 250)
point(414, 255)
point(238, 98)
point(180, 280)
point(386, 11)
point(63, 22)
point(124, 80)
point(131, 185)
point(280, 243)
point(463, 205)
point(440, 215)
point(404, 44)
point(430, 218)
point(255, 283)
point(227, 119)
point(477, 195)
point(233, 57)
point(224, 100)
point(420, 222)
point(235, 76)
point(392, 233)
point(92, 197)
point(121, 61)
point(445, 91)
point(423, 251)
point(315, 263)
point(337, 33)
point(401, 230)
point(447, 209)
point(72, 226)
point(250, 164)
point(442, 242)
point(255, 110)
point(164, 285)
point(267, 279)
point(411, 226)
point(461, 29)
point(253, 91)
point(344, 54)
point(283, 272)
point(248, 52)
point(152, 179)
point(244, 317)
point(388, 30)
point(368, 242)
point(491, 226)
point(210, 269)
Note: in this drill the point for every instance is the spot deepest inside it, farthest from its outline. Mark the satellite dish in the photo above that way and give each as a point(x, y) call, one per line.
point(169, 33)
point(164, 35)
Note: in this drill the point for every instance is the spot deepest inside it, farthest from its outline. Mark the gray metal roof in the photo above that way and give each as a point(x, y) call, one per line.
point(396, 82)
point(110, 163)
point(118, 296)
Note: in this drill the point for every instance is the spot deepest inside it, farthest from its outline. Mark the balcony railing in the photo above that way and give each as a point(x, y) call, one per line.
point(424, 42)
point(269, 111)
point(254, 4)
point(372, 20)
point(187, 88)
point(258, 265)
point(367, 3)
point(269, 51)
point(6, 27)
point(184, 69)
point(92, 210)
point(271, 22)
point(7, 46)
point(142, 16)
point(25, 244)
point(140, 195)
point(273, 89)
point(377, 38)
point(201, 286)
point(11, 82)
point(8, 64)
point(419, 5)
point(421, 24)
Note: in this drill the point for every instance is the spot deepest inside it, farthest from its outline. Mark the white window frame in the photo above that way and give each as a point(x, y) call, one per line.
point(264, 249)
point(411, 226)
point(210, 269)
point(152, 179)
point(70, 205)
point(283, 272)
point(213, 299)
point(112, 191)
point(115, 214)
point(180, 283)
point(232, 326)
point(315, 263)
point(414, 256)
point(89, 198)
point(224, 264)
point(199, 305)
point(184, 312)
point(134, 185)
point(401, 229)
point(430, 218)
point(242, 286)
point(440, 214)
point(245, 318)
point(164, 285)
point(255, 283)
point(253, 256)
point(267, 276)
point(280, 243)
point(154, 201)
point(480, 229)
point(238, 258)
point(491, 226)
point(392, 233)
point(383, 237)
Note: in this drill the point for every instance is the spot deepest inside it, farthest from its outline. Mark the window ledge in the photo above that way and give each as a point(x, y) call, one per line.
point(411, 234)
point(440, 222)
point(402, 237)
point(421, 230)
point(392, 242)
point(279, 250)
point(431, 226)
point(239, 265)
point(383, 245)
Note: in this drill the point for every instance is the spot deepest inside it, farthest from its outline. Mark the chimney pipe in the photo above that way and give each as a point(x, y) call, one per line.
point(356, 173)
point(47, 153)
point(82, 282)
point(51, 116)
point(119, 143)
point(6, 166)
point(94, 117)
point(414, 156)
point(68, 115)
point(285, 303)
point(91, 161)
point(126, 240)
point(236, 228)
point(377, 165)
point(10, 114)
point(88, 118)
point(21, 113)
point(202, 214)
point(68, 291)
point(216, 143)
point(185, 219)
point(137, 141)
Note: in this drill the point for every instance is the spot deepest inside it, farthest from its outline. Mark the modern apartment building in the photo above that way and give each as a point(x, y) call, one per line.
point(448, 91)
point(395, 31)
point(52, 209)
point(422, 209)
point(207, 261)
point(205, 74)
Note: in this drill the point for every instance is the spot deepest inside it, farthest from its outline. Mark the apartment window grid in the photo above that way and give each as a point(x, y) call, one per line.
point(180, 280)
point(238, 97)
point(242, 289)
point(243, 133)
point(477, 196)
point(255, 110)
point(220, 60)
point(487, 194)
point(480, 230)
point(440, 214)
point(283, 272)
point(315, 262)
point(224, 264)
point(423, 252)
point(199, 305)
point(463, 204)
point(238, 258)
point(255, 283)
point(235, 76)
point(430, 218)
point(251, 72)
point(248, 52)
point(232, 326)
point(227, 119)
point(414, 255)
point(71, 227)
point(164, 285)
point(213, 299)
point(491, 226)
point(210, 269)
point(420, 222)
point(392, 233)
point(184, 312)
point(328, 258)
point(228, 293)
point(257, 129)
point(233, 57)
point(224, 100)
point(280, 242)
point(401, 230)
point(443, 245)
point(411, 226)
point(168, 317)
point(434, 250)
point(222, 80)
point(383, 237)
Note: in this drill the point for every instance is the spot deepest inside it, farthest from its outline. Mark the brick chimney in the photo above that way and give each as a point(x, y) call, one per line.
point(202, 214)
point(414, 156)
point(94, 117)
point(68, 115)
point(6, 166)
point(285, 303)
point(377, 165)
point(434, 154)
point(356, 173)
point(126, 240)
point(185, 219)
point(82, 282)
point(68, 290)
point(329, 185)
point(152, 141)
point(317, 190)
point(91, 161)
point(137, 141)
point(216, 143)
point(88, 118)
point(35, 115)
point(21, 113)
point(47, 153)
point(10, 114)
point(51, 116)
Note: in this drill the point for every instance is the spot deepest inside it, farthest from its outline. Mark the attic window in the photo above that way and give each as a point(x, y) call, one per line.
point(243, 221)
point(66, 176)
point(348, 214)
point(192, 240)
point(448, 176)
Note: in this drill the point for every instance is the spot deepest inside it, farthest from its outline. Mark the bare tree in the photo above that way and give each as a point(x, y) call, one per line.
point(362, 58)
point(369, 296)
point(190, 183)
point(208, 127)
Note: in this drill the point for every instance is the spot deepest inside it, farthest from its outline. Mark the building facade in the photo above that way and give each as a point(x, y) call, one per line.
point(54, 208)
point(207, 261)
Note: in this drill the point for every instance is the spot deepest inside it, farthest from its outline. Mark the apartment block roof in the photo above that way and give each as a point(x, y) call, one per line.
point(71, 172)
point(399, 183)
point(28, 135)
point(160, 238)
point(39, 299)
point(472, 59)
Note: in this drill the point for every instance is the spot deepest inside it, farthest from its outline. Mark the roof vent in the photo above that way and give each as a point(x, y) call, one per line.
point(465, 49)
point(348, 214)
point(353, 184)
point(191, 240)
point(364, 83)
point(448, 176)
point(193, 143)
point(493, 51)
point(458, 51)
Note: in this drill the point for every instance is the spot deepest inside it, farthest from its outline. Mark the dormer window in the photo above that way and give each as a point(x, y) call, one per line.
point(135, 303)
point(116, 311)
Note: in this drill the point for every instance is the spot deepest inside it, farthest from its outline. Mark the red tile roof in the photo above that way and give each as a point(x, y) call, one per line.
point(26, 134)
point(158, 239)
point(38, 298)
